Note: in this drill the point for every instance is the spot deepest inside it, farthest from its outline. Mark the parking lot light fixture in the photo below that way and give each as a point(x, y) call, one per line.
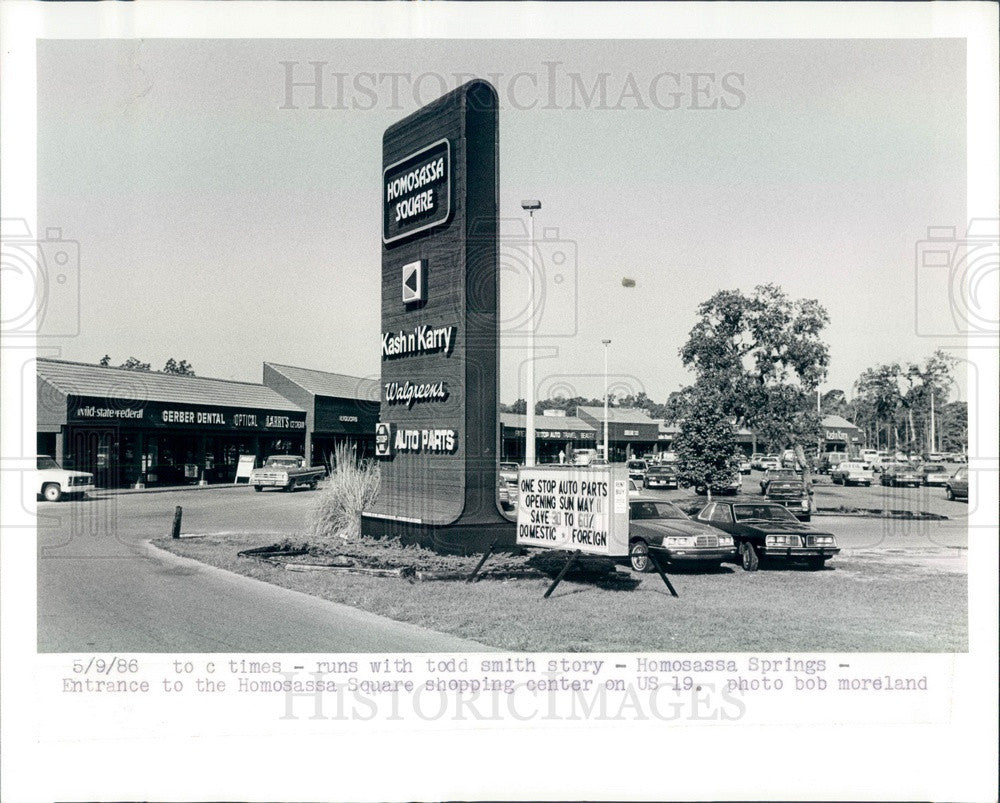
point(530, 206)
point(606, 344)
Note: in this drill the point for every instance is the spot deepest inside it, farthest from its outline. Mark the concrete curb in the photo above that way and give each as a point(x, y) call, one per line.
point(164, 490)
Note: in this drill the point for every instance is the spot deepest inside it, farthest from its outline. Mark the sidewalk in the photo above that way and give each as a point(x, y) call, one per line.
point(166, 489)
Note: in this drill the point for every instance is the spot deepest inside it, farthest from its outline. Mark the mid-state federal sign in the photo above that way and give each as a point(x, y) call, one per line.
point(574, 508)
point(437, 439)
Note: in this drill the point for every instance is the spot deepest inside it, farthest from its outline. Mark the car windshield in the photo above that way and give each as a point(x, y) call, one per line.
point(636, 464)
point(283, 462)
point(656, 510)
point(762, 513)
point(933, 468)
point(47, 462)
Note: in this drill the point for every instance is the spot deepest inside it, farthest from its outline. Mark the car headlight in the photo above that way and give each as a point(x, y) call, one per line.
point(725, 540)
point(825, 540)
point(678, 540)
point(782, 540)
point(805, 503)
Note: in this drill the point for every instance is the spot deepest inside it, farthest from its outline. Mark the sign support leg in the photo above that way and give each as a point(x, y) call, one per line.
point(562, 573)
point(659, 569)
point(482, 560)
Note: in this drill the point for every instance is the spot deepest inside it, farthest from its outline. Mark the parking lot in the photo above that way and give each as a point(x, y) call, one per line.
point(897, 585)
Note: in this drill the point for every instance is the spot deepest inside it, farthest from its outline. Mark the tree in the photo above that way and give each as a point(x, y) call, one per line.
point(834, 402)
point(132, 364)
point(878, 386)
point(519, 407)
point(764, 356)
point(173, 367)
point(706, 442)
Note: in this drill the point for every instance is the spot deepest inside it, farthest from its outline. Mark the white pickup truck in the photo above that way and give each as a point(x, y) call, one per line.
point(287, 472)
point(54, 482)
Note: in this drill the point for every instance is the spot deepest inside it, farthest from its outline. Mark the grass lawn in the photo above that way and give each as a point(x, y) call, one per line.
point(864, 601)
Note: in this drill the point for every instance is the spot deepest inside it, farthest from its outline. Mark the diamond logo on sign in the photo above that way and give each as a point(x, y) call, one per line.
point(413, 282)
point(383, 439)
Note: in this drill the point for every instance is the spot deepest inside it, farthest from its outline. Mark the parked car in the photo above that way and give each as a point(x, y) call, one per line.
point(745, 466)
point(506, 493)
point(582, 457)
point(776, 474)
point(598, 461)
point(851, 472)
point(793, 494)
point(508, 472)
point(664, 527)
point(637, 469)
point(661, 476)
point(287, 472)
point(668, 457)
point(765, 530)
point(934, 474)
point(53, 482)
point(869, 457)
point(957, 486)
point(936, 457)
point(768, 462)
point(788, 459)
point(731, 486)
point(755, 459)
point(899, 474)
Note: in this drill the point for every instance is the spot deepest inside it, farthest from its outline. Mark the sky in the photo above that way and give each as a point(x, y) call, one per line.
point(227, 218)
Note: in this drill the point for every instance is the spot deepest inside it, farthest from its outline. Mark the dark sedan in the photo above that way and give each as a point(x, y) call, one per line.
point(659, 525)
point(765, 530)
point(957, 486)
point(898, 474)
point(661, 476)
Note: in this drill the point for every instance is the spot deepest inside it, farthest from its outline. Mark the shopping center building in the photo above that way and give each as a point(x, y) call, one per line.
point(151, 428)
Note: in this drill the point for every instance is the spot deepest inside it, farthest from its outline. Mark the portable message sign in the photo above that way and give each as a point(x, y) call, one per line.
point(244, 468)
point(574, 508)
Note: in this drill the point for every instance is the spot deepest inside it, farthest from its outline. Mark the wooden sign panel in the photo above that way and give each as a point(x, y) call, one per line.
point(437, 439)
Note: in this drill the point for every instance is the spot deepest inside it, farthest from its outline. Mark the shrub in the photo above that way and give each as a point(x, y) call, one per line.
point(352, 487)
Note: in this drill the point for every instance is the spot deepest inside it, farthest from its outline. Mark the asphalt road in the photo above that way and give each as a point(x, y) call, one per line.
point(102, 588)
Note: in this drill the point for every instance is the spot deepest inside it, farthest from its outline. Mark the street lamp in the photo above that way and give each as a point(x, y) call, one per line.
point(606, 344)
point(529, 427)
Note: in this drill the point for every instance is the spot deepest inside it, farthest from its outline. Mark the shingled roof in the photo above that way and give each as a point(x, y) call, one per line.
point(326, 383)
point(85, 379)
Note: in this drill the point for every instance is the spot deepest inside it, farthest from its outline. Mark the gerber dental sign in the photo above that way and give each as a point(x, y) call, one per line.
point(417, 192)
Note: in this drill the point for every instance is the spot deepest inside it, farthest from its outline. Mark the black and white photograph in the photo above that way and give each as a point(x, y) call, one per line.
point(487, 367)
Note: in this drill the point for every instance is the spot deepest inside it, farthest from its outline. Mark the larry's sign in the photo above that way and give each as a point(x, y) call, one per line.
point(437, 440)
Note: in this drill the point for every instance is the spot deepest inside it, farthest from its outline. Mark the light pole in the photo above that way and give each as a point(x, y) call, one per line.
point(529, 425)
point(606, 344)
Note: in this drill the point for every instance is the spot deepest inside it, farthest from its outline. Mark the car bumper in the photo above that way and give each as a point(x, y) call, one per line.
point(78, 490)
point(661, 483)
point(800, 551)
point(678, 554)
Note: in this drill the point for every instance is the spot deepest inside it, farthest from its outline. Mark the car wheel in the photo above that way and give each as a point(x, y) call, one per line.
point(258, 488)
point(949, 494)
point(52, 492)
point(638, 556)
point(749, 559)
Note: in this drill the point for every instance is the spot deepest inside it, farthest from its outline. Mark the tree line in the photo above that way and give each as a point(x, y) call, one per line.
point(758, 359)
point(172, 366)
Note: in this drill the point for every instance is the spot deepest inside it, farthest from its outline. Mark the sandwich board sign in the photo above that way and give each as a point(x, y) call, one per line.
point(574, 508)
